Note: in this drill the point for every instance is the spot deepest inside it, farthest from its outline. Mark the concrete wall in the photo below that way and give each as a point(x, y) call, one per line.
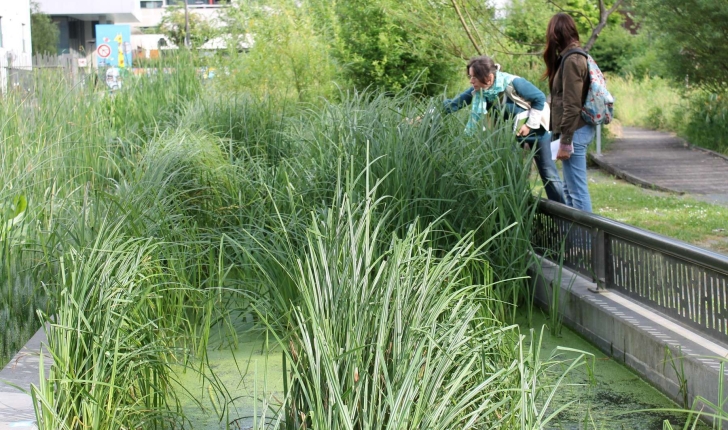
point(16, 43)
point(682, 363)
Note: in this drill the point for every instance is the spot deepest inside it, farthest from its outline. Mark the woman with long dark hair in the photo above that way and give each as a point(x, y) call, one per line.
point(569, 84)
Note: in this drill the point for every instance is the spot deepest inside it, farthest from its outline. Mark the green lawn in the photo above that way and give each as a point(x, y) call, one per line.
point(679, 216)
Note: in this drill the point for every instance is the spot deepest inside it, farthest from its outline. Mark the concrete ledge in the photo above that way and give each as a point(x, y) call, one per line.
point(16, 405)
point(637, 336)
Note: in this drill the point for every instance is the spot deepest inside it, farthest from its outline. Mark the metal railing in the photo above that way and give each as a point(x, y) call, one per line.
point(687, 283)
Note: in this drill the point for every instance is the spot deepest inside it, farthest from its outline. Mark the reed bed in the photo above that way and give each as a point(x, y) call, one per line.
point(383, 249)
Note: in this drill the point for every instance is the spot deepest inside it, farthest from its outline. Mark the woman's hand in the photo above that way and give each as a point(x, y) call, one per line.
point(524, 131)
point(563, 155)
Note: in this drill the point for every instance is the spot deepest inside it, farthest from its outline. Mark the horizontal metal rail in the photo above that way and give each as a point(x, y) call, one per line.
point(685, 282)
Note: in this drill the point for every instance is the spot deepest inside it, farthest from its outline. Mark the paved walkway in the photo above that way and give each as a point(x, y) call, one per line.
point(659, 160)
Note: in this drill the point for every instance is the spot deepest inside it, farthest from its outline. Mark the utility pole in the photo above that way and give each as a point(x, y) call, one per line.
point(187, 25)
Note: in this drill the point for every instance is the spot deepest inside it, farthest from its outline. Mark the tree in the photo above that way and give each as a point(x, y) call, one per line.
point(290, 59)
point(591, 17)
point(175, 23)
point(693, 37)
point(382, 50)
point(43, 32)
point(603, 18)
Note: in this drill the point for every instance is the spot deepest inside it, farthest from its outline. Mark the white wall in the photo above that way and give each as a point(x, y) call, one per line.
point(152, 17)
point(15, 23)
point(88, 7)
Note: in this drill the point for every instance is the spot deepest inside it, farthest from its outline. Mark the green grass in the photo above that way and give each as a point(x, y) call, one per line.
point(159, 214)
point(677, 216)
point(673, 215)
point(648, 102)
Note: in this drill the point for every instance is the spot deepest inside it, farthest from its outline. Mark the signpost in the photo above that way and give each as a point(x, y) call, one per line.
point(113, 46)
point(103, 50)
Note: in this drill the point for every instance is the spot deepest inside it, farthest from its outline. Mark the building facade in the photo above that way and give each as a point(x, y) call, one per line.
point(153, 10)
point(77, 19)
point(15, 43)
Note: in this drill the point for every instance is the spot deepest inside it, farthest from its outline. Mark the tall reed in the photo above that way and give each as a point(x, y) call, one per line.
point(389, 333)
point(162, 212)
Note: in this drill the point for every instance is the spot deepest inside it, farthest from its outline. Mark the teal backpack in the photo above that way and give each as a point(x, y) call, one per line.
point(599, 105)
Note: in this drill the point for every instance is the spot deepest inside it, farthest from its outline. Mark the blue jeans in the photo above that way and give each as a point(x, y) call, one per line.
point(576, 189)
point(546, 167)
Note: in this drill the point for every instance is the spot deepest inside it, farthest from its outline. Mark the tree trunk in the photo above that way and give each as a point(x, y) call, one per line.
point(603, 16)
point(465, 27)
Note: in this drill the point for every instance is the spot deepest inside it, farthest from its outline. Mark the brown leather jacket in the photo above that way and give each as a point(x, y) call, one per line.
point(567, 96)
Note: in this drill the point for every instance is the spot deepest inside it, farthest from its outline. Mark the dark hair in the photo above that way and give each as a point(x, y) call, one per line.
point(560, 33)
point(482, 67)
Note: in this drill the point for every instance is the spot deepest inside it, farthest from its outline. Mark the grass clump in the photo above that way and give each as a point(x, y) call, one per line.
point(649, 102)
point(394, 332)
point(110, 356)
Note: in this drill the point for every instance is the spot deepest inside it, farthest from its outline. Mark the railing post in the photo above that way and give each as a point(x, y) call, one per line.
point(599, 260)
point(599, 139)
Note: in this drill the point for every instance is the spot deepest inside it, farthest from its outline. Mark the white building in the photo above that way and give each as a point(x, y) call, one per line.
point(153, 10)
point(77, 19)
point(15, 47)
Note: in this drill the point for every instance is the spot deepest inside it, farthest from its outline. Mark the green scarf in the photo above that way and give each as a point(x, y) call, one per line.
point(481, 98)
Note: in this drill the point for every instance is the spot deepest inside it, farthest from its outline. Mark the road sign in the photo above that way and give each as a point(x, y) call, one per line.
point(103, 50)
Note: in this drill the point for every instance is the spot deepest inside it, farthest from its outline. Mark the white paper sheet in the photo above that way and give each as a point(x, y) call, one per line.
point(555, 148)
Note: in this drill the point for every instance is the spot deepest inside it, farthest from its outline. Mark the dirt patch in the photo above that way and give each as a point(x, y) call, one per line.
point(716, 243)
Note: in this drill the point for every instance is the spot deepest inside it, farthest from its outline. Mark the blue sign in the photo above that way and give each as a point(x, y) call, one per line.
point(113, 46)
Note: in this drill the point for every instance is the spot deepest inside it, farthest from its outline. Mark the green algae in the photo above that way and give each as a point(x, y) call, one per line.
point(607, 395)
point(251, 377)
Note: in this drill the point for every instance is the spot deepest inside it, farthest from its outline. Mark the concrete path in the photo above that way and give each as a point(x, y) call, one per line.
point(662, 161)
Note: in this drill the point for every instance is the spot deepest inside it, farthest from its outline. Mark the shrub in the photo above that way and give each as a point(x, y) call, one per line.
point(706, 124)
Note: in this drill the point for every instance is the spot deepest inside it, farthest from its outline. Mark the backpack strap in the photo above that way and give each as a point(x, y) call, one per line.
point(579, 51)
point(510, 92)
point(572, 51)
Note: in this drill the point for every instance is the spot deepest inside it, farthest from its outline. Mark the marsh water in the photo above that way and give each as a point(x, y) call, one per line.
point(605, 396)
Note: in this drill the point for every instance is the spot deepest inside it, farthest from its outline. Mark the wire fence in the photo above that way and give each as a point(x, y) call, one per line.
point(682, 281)
point(17, 74)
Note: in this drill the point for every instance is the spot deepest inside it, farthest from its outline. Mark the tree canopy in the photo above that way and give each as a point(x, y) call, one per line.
point(173, 26)
point(43, 32)
point(692, 37)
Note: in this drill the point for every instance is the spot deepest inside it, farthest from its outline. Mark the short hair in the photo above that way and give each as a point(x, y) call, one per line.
point(482, 67)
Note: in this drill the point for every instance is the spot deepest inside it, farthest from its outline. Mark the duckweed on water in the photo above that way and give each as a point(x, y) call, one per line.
point(609, 397)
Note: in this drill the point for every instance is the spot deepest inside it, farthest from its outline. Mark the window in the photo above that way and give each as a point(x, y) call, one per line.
point(23, 38)
point(93, 29)
point(151, 4)
point(197, 2)
point(74, 29)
